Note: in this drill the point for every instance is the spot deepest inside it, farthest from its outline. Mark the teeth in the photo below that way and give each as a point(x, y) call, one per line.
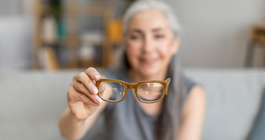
point(146, 60)
point(149, 60)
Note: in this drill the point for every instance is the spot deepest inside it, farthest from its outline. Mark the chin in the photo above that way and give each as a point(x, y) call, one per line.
point(149, 71)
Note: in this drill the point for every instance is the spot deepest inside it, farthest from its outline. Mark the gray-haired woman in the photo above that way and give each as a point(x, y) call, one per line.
point(151, 44)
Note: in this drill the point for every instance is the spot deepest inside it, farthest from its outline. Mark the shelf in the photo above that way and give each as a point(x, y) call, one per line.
point(72, 40)
point(80, 10)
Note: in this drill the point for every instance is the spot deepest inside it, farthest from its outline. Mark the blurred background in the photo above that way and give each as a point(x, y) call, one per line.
point(222, 49)
point(67, 34)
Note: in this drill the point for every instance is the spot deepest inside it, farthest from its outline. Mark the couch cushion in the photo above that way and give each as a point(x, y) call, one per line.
point(32, 102)
point(259, 125)
point(233, 100)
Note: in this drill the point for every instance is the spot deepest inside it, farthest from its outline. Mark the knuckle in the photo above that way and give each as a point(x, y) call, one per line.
point(75, 76)
point(69, 91)
point(77, 116)
point(82, 74)
point(80, 86)
point(79, 76)
point(72, 83)
point(69, 96)
point(91, 70)
point(94, 71)
point(82, 97)
point(88, 84)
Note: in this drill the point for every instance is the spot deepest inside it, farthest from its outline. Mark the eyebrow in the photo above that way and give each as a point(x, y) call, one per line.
point(153, 30)
point(156, 29)
point(137, 30)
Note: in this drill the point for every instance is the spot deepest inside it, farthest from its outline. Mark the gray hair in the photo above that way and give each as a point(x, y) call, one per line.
point(170, 117)
point(142, 5)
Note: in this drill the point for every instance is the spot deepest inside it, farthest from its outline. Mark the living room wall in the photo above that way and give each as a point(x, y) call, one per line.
point(215, 33)
point(15, 34)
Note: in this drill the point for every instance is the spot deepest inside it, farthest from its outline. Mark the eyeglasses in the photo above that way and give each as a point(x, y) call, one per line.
point(145, 91)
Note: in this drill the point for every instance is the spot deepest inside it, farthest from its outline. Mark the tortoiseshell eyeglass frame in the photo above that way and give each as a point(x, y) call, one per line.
point(134, 86)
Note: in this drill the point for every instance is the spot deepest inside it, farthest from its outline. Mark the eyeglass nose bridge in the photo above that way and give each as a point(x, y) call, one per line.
point(131, 85)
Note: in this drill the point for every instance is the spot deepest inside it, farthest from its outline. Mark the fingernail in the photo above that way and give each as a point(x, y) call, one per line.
point(96, 76)
point(101, 85)
point(94, 90)
point(98, 99)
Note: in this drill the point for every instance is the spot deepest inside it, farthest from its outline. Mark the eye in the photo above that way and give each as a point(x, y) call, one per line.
point(158, 36)
point(134, 37)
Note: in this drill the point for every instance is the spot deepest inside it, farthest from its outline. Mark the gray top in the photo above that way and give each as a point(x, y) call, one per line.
point(126, 120)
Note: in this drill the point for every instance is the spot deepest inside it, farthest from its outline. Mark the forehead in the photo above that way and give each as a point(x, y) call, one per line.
point(148, 19)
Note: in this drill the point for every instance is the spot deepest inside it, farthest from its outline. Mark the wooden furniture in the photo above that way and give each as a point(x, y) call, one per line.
point(257, 37)
point(72, 10)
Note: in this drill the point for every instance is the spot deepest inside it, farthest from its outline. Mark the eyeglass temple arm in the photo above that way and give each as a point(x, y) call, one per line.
point(168, 81)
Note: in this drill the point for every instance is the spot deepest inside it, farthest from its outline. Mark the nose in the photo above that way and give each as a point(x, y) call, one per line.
point(148, 44)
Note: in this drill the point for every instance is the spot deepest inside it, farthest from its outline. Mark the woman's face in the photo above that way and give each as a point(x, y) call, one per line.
point(150, 43)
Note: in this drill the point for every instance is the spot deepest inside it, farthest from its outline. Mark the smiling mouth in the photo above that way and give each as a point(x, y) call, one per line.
point(148, 61)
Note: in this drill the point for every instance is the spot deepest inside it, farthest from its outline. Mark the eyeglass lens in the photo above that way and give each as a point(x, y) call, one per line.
point(147, 92)
point(118, 91)
point(150, 92)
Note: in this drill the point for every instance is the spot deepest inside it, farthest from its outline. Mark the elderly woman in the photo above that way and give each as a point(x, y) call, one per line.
point(151, 45)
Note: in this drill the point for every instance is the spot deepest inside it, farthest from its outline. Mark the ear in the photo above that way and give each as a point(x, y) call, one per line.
point(175, 45)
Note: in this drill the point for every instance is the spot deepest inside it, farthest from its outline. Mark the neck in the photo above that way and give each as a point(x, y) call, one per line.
point(135, 76)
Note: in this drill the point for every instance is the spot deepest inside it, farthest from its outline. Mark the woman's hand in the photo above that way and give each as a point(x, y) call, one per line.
point(84, 104)
point(82, 94)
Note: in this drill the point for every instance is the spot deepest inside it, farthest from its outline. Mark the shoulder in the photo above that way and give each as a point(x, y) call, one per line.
point(195, 102)
point(193, 114)
point(197, 93)
point(189, 84)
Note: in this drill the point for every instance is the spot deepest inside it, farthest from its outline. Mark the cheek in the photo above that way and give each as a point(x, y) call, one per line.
point(132, 51)
point(134, 43)
point(132, 47)
point(164, 48)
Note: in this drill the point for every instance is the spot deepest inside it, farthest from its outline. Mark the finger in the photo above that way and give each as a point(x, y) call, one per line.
point(101, 88)
point(75, 95)
point(93, 74)
point(87, 100)
point(82, 89)
point(86, 81)
point(105, 91)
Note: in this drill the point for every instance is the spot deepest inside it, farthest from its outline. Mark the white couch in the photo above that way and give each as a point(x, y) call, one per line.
point(31, 103)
